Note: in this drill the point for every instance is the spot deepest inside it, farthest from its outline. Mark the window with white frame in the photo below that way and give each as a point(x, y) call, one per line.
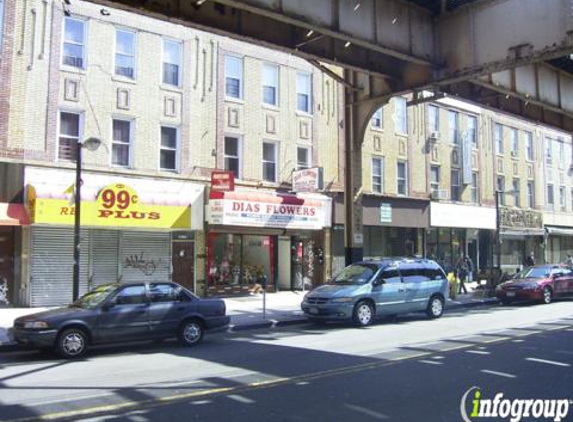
point(270, 84)
point(233, 155)
point(401, 115)
point(528, 146)
point(376, 122)
point(303, 157)
point(125, 53)
point(514, 142)
point(530, 195)
point(121, 143)
point(434, 178)
point(472, 130)
point(171, 62)
point(550, 198)
point(74, 43)
point(571, 199)
point(378, 174)
point(501, 189)
point(70, 132)
point(453, 119)
point(169, 148)
point(303, 92)
point(455, 191)
point(474, 188)
point(548, 151)
point(1, 23)
point(498, 138)
point(270, 161)
point(516, 193)
point(233, 77)
point(433, 118)
point(402, 178)
point(562, 198)
point(561, 149)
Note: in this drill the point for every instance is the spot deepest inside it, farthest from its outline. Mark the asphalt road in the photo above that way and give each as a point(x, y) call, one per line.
point(410, 369)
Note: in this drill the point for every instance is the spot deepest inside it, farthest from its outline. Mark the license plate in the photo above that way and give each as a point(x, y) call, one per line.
point(510, 294)
point(313, 311)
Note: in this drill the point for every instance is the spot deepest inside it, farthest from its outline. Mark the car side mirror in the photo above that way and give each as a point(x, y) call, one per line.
point(557, 275)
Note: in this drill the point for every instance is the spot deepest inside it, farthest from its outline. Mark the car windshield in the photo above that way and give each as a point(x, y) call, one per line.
point(95, 297)
point(355, 274)
point(533, 272)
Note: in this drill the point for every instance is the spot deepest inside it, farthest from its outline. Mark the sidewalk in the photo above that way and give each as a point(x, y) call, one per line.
point(246, 312)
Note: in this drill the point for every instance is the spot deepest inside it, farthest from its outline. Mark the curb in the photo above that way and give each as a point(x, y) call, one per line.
point(273, 323)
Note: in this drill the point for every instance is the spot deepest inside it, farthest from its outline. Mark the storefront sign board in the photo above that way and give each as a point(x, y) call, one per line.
point(307, 180)
point(385, 213)
point(462, 216)
point(223, 181)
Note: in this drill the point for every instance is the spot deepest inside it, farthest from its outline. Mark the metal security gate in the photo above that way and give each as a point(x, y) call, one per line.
point(104, 257)
point(145, 256)
point(51, 265)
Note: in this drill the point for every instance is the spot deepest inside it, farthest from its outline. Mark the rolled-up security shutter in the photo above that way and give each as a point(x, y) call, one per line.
point(104, 257)
point(145, 256)
point(52, 263)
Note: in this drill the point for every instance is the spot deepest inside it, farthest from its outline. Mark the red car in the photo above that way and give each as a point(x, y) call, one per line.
point(540, 283)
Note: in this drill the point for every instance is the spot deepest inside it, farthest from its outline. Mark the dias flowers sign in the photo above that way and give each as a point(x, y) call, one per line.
point(474, 407)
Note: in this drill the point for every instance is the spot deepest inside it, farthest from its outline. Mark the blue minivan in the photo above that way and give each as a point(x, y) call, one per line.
point(389, 286)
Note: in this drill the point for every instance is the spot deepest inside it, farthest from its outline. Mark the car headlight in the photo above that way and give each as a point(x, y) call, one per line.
point(35, 324)
point(342, 300)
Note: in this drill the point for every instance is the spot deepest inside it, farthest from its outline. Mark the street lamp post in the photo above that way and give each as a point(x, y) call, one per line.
point(91, 144)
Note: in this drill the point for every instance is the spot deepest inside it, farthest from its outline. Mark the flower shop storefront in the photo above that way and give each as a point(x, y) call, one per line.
point(255, 235)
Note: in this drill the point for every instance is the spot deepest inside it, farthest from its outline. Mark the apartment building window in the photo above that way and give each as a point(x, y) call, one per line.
point(303, 158)
point(303, 92)
point(70, 124)
point(516, 193)
point(402, 178)
point(571, 199)
point(472, 130)
point(498, 138)
point(233, 155)
point(514, 142)
point(171, 62)
point(121, 143)
point(550, 198)
point(501, 188)
point(269, 161)
point(528, 146)
point(530, 195)
point(378, 174)
point(474, 188)
point(561, 146)
point(433, 118)
point(376, 121)
point(125, 53)
point(74, 43)
point(270, 84)
point(562, 198)
point(401, 115)
point(453, 118)
point(169, 148)
point(434, 178)
point(455, 192)
point(548, 151)
point(1, 23)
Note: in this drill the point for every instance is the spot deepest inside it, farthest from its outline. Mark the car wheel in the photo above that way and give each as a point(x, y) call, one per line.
point(363, 314)
point(435, 308)
point(72, 343)
point(547, 296)
point(191, 332)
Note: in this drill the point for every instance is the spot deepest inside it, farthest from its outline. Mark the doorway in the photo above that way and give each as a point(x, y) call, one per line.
point(302, 263)
point(6, 265)
point(183, 261)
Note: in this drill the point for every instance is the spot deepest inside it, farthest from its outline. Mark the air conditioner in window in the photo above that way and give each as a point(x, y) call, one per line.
point(434, 135)
point(438, 194)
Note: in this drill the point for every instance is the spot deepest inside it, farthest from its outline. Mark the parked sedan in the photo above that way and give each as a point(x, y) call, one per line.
point(540, 283)
point(122, 312)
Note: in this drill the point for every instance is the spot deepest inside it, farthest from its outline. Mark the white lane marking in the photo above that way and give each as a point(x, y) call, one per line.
point(303, 383)
point(367, 412)
point(481, 347)
point(518, 340)
point(548, 362)
point(499, 374)
point(431, 362)
point(240, 399)
point(478, 352)
point(437, 357)
point(201, 402)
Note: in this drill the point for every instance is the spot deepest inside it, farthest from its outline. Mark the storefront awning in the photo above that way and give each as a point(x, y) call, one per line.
point(559, 231)
point(270, 210)
point(462, 216)
point(520, 233)
point(112, 201)
point(13, 215)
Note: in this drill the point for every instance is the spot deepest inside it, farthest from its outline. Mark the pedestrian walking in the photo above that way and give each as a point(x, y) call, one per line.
point(462, 270)
point(530, 260)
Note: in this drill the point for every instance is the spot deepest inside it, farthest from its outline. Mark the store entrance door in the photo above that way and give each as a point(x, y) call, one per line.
point(6, 264)
point(183, 261)
point(297, 264)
